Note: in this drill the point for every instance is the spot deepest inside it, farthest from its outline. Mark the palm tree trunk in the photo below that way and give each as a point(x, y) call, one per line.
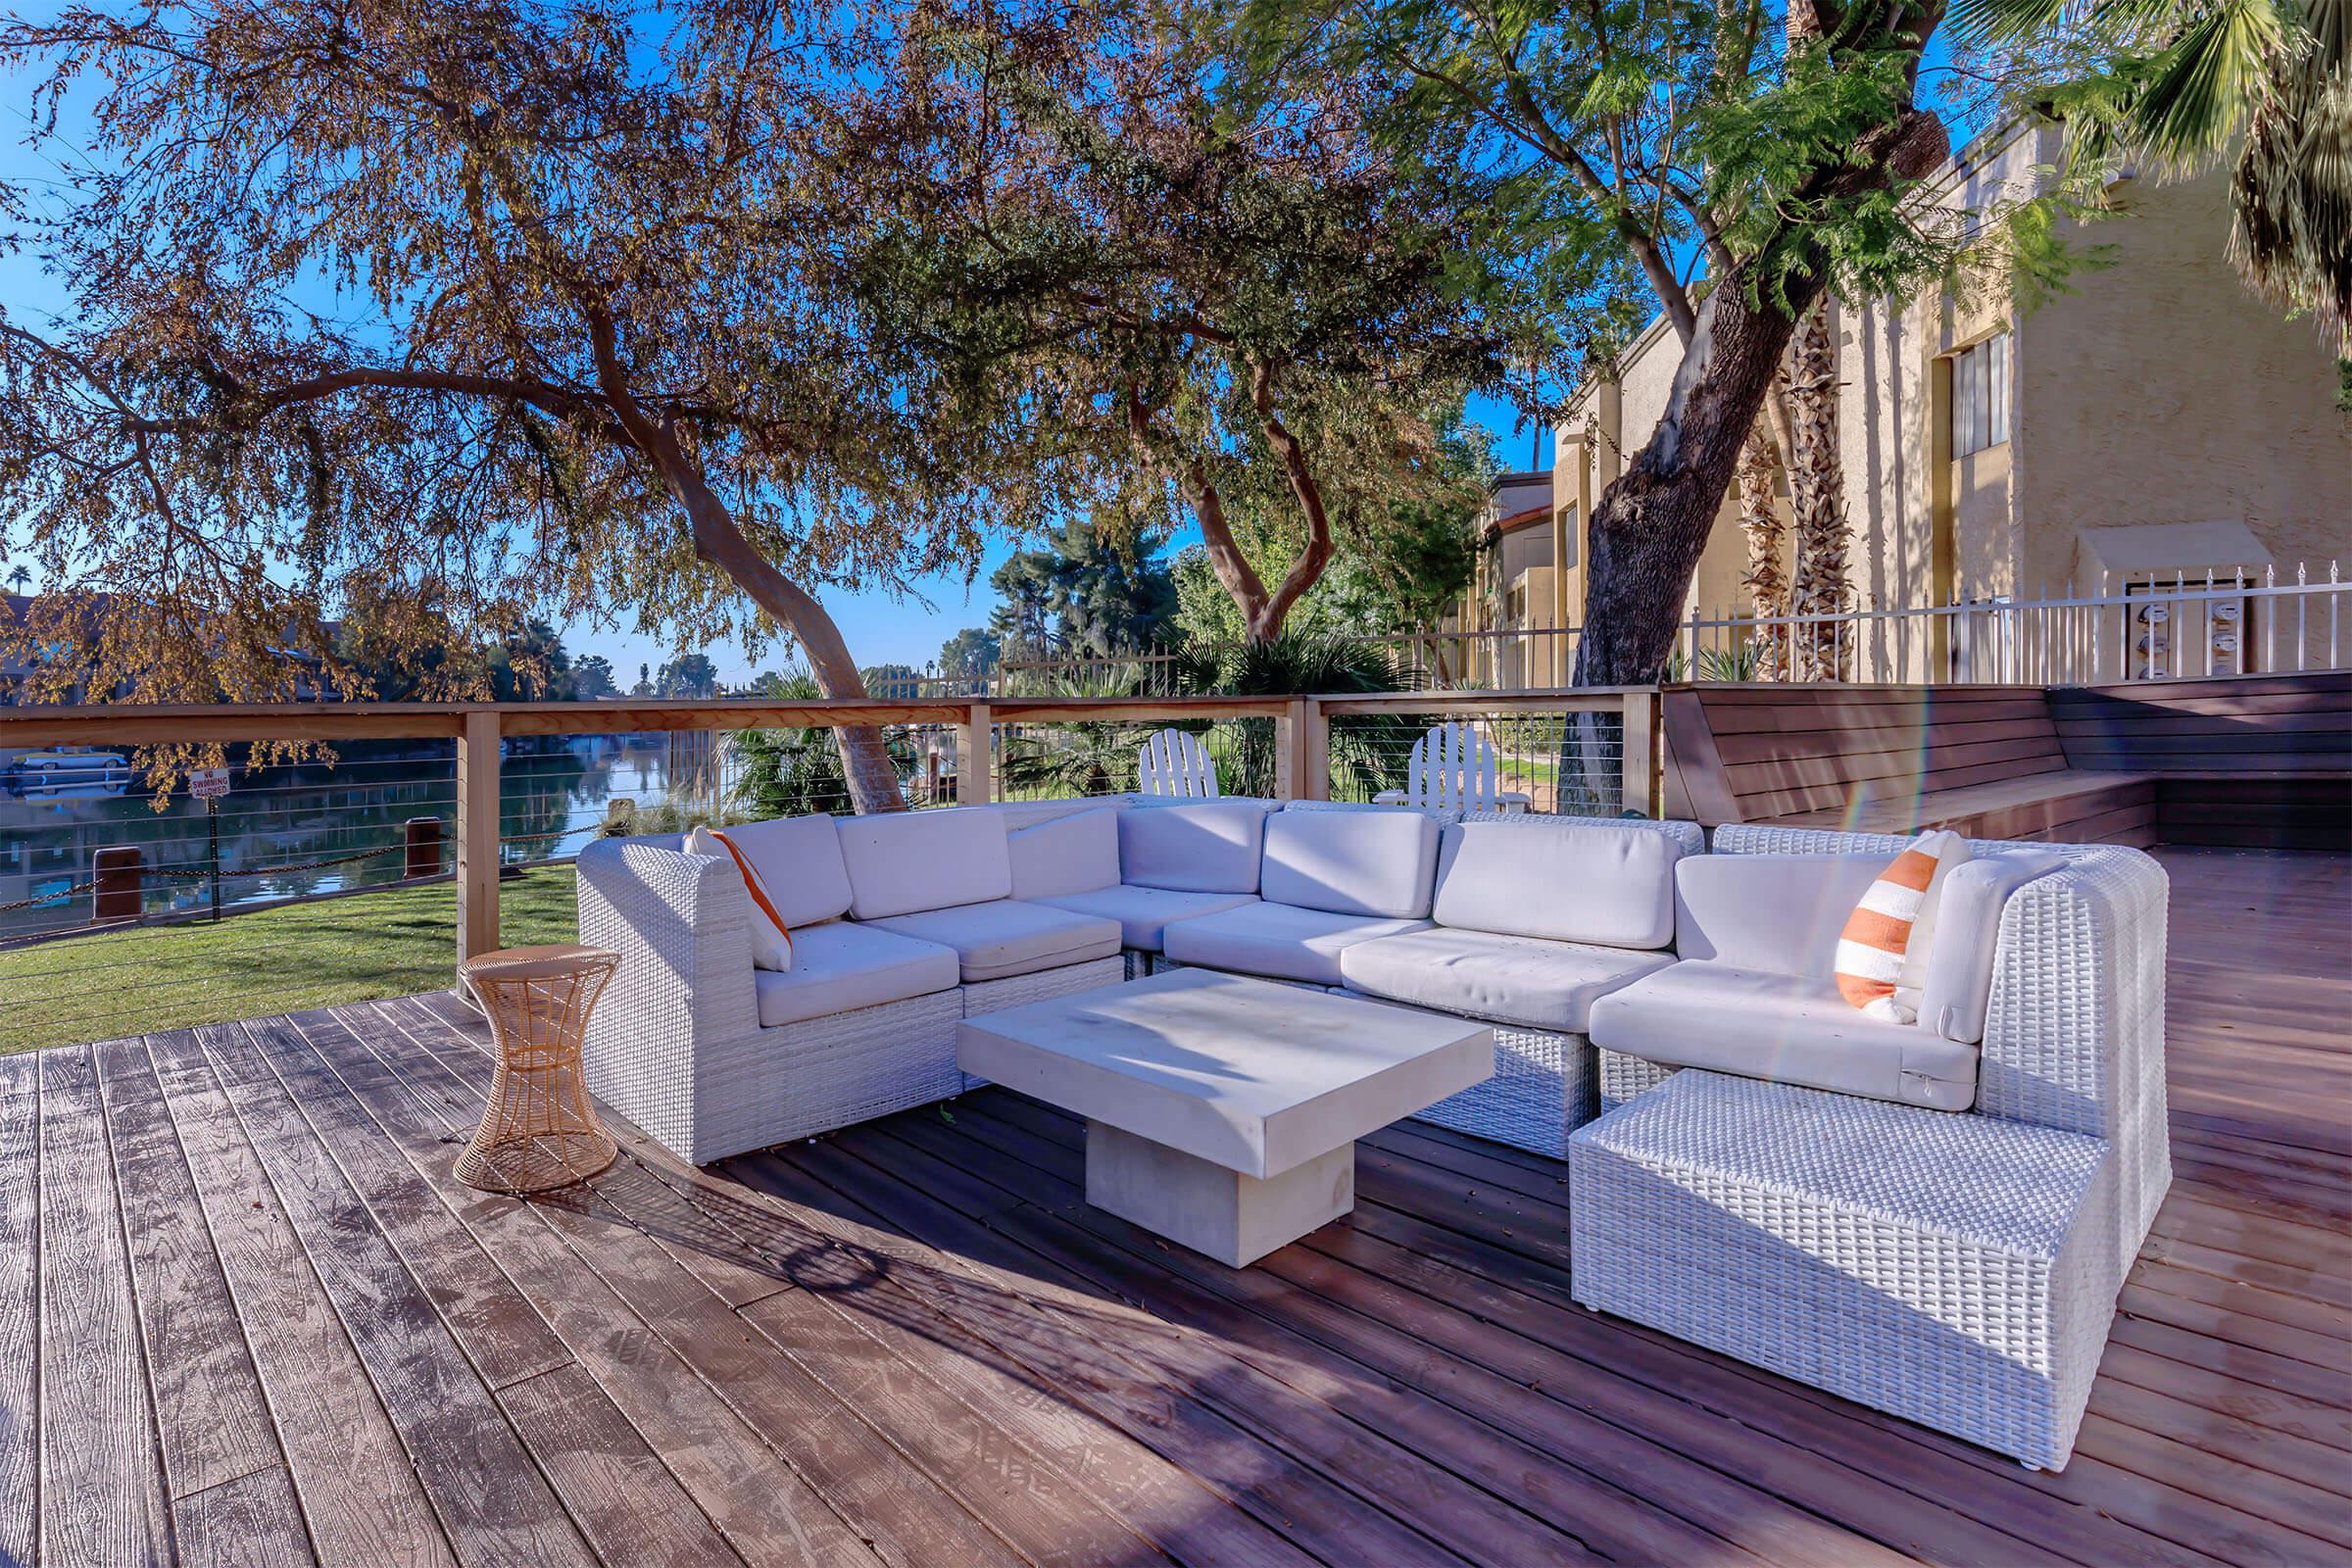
point(1767, 577)
point(1817, 498)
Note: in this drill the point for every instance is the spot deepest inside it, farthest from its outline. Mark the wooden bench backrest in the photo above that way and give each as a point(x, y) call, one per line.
point(1750, 754)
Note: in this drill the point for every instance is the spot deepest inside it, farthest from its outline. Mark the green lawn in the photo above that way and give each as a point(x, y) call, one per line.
point(392, 944)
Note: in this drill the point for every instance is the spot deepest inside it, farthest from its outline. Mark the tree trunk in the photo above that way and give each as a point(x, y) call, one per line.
point(1767, 577)
point(1650, 525)
point(865, 759)
point(865, 764)
point(1817, 498)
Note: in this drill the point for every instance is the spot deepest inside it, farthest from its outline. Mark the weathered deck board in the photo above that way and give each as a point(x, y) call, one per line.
point(256, 1318)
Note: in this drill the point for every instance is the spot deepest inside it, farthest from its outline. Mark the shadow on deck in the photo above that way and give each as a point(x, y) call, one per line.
point(256, 1319)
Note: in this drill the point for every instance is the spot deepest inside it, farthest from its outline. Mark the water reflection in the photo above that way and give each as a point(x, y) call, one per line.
point(278, 822)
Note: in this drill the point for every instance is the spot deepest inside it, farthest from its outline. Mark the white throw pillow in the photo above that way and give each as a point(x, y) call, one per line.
point(771, 939)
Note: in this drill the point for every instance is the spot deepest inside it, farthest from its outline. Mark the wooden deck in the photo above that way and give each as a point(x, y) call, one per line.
point(247, 1316)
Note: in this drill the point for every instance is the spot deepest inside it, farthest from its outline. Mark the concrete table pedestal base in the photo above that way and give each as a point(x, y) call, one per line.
point(1211, 1208)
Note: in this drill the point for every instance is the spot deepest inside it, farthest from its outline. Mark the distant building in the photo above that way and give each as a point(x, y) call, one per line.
point(2159, 421)
point(1512, 587)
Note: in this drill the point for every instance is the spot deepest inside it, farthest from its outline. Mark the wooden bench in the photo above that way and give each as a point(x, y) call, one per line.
point(2251, 762)
point(1985, 761)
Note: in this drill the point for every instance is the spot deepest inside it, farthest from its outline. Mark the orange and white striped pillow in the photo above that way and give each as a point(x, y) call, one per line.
point(771, 938)
point(1883, 952)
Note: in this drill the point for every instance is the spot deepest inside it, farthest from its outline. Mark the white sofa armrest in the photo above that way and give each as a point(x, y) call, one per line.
point(681, 924)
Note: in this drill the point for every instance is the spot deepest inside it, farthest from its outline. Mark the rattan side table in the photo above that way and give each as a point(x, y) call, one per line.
point(540, 1130)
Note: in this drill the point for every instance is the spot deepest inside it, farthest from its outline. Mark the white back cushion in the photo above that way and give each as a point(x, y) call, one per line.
point(1068, 855)
point(1781, 913)
point(1350, 863)
point(1566, 882)
point(798, 860)
point(1200, 847)
point(905, 861)
point(1958, 982)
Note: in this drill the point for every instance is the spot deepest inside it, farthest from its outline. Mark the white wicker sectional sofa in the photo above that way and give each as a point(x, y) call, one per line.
point(1931, 1218)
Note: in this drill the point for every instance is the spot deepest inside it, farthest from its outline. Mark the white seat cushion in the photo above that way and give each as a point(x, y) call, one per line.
point(1008, 936)
point(1200, 847)
point(841, 966)
point(1350, 863)
point(1145, 914)
point(1074, 853)
point(1504, 979)
point(1277, 940)
point(1785, 1028)
point(903, 861)
point(1562, 881)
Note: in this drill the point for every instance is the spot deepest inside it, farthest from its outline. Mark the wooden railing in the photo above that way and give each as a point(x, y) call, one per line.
point(1301, 740)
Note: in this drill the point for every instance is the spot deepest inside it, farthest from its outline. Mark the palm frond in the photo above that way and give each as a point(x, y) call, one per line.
point(2201, 89)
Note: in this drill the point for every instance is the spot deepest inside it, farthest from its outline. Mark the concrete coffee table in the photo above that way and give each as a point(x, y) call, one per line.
point(1222, 1113)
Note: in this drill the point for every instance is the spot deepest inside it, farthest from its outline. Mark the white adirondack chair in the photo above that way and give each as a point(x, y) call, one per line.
point(1172, 762)
point(1453, 769)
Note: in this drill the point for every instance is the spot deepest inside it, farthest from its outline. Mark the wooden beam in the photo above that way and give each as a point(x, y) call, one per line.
point(1550, 699)
point(1133, 710)
point(627, 719)
point(478, 835)
point(36, 727)
point(975, 757)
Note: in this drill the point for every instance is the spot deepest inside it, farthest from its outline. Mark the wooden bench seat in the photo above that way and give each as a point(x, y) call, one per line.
point(1984, 760)
point(2064, 807)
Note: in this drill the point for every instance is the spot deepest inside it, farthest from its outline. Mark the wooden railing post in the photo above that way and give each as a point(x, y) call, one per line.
point(1290, 730)
point(975, 757)
point(1640, 791)
point(478, 834)
point(1316, 747)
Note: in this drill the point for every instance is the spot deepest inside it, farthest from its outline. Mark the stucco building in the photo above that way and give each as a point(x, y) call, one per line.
point(2158, 422)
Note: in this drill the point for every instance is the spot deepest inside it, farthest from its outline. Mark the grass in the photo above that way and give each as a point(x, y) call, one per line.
point(397, 942)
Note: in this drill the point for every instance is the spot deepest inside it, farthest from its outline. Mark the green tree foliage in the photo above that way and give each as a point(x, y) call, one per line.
point(1656, 154)
point(971, 653)
point(1197, 303)
point(1089, 594)
point(498, 312)
point(591, 677)
point(687, 675)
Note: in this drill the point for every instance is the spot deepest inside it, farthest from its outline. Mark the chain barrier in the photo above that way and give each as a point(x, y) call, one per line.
point(205, 873)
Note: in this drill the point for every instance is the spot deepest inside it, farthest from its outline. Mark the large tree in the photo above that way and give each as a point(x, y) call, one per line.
point(1669, 155)
point(1103, 592)
point(1207, 302)
point(488, 310)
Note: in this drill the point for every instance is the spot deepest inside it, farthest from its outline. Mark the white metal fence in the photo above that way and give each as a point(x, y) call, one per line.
point(2218, 622)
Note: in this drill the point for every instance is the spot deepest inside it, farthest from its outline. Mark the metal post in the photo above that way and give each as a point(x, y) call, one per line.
point(212, 834)
point(421, 842)
point(118, 875)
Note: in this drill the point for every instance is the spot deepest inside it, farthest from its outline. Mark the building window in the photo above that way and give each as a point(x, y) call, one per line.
point(1981, 396)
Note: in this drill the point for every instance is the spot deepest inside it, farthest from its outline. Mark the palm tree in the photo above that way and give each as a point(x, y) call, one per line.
point(2183, 80)
point(17, 578)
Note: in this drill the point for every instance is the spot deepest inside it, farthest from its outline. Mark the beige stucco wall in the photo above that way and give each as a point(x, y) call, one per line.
point(2162, 392)
point(2158, 392)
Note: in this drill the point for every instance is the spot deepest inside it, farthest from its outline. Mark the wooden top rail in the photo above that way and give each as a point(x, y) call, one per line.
point(139, 725)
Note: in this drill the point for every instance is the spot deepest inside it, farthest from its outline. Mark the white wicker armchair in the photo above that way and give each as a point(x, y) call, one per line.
point(1960, 1270)
point(676, 1045)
